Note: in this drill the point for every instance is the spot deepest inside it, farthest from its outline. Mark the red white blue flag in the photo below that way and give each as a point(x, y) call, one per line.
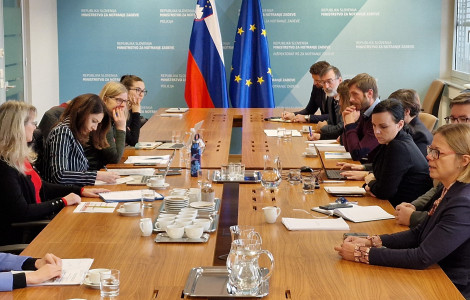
point(206, 84)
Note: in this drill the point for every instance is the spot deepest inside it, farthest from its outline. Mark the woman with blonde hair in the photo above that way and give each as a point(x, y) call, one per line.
point(444, 236)
point(114, 96)
point(24, 196)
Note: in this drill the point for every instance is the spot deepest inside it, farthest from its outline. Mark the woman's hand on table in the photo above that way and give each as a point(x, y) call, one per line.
point(107, 176)
point(403, 213)
point(350, 166)
point(355, 175)
point(72, 199)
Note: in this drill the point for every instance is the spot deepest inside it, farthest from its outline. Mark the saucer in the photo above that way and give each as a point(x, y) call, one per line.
point(86, 282)
point(159, 187)
point(122, 212)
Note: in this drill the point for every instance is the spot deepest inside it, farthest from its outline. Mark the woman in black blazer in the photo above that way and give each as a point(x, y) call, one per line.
point(23, 195)
point(399, 171)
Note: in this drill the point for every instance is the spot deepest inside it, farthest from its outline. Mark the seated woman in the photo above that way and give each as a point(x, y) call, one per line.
point(444, 237)
point(400, 172)
point(114, 95)
point(136, 92)
point(85, 120)
point(48, 267)
point(24, 196)
point(412, 105)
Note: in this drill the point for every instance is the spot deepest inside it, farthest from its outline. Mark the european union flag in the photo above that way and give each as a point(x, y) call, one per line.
point(250, 78)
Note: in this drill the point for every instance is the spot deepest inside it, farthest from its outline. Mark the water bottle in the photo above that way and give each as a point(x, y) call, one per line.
point(195, 156)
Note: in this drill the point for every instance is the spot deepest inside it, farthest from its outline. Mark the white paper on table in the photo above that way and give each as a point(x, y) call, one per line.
point(315, 224)
point(171, 115)
point(323, 142)
point(345, 190)
point(358, 213)
point(157, 159)
point(95, 207)
point(330, 147)
point(73, 272)
point(118, 181)
point(177, 110)
point(338, 155)
point(273, 132)
point(125, 196)
point(134, 171)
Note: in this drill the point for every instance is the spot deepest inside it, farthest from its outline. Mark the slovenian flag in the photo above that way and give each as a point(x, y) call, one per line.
point(251, 76)
point(206, 84)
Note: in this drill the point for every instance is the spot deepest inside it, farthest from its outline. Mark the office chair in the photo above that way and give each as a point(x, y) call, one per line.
point(433, 98)
point(27, 231)
point(430, 121)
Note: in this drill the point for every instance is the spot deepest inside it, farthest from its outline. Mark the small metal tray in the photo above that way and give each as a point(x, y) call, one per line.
point(250, 177)
point(212, 228)
point(164, 238)
point(213, 282)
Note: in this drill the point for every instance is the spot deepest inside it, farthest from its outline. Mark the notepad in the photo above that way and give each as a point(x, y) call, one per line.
point(315, 224)
point(337, 155)
point(330, 147)
point(345, 190)
point(118, 181)
point(273, 132)
point(73, 272)
point(95, 207)
point(358, 214)
point(177, 110)
point(147, 145)
point(134, 171)
point(163, 159)
point(125, 196)
point(171, 115)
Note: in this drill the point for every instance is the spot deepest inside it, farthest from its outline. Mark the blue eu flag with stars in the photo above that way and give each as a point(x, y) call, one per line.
point(251, 76)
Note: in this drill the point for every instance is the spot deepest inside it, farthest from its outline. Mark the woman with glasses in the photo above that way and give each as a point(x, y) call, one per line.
point(114, 96)
point(84, 122)
point(444, 236)
point(399, 170)
point(24, 195)
point(136, 92)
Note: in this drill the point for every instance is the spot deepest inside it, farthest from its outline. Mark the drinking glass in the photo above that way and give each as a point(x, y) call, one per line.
point(176, 136)
point(280, 132)
point(294, 176)
point(288, 135)
point(308, 184)
point(109, 283)
point(148, 196)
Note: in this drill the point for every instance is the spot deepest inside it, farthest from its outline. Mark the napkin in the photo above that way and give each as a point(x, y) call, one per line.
point(315, 224)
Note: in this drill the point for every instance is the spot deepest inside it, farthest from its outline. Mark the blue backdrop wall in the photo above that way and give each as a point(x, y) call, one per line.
point(398, 42)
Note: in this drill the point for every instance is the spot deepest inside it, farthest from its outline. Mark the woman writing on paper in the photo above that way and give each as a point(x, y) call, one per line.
point(400, 172)
point(114, 96)
point(444, 236)
point(24, 196)
point(85, 121)
point(136, 92)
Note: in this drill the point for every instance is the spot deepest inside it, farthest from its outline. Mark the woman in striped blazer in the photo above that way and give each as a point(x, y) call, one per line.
point(85, 121)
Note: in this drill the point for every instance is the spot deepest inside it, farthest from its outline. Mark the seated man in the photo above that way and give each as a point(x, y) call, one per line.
point(317, 99)
point(411, 214)
point(358, 136)
point(331, 129)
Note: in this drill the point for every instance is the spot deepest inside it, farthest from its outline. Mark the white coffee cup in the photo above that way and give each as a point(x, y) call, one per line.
point(146, 226)
point(164, 222)
point(188, 209)
point(156, 180)
point(206, 223)
point(184, 222)
point(160, 216)
point(193, 231)
point(178, 192)
point(189, 215)
point(93, 275)
point(131, 207)
point(271, 213)
point(194, 195)
point(175, 231)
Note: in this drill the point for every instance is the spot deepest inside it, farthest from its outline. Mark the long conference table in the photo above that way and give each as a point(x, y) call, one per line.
point(306, 265)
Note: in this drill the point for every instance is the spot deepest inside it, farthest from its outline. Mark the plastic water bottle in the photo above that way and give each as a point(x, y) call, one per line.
point(195, 156)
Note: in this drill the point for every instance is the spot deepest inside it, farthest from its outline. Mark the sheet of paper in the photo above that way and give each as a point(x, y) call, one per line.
point(337, 155)
point(73, 272)
point(134, 171)
point(177, 110)
point(323, 142)
point(330, 147)
point(315, 224)
point(273, 132)
point(118, 181)
point(171, 115)
point(95, 207)
point(125, 196)
point(162, 159)
point(345, 190)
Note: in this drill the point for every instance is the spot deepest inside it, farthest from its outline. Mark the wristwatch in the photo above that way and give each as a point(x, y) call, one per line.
point(307, 117)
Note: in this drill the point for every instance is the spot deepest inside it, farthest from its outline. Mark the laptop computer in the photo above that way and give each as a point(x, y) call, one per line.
point(142, 179)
